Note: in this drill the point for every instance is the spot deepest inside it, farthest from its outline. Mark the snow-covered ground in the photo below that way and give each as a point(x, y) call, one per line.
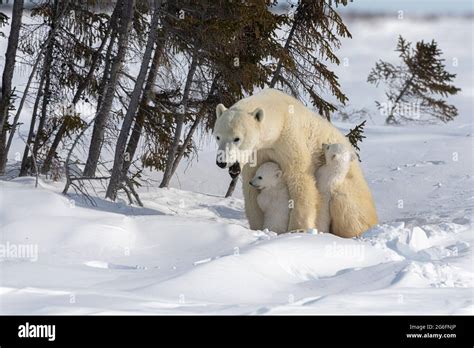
point(189, 250)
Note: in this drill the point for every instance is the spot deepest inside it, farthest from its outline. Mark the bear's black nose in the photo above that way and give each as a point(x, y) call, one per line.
point(221, 164)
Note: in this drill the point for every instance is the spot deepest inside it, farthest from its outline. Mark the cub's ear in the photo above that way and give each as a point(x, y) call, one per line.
point(278, 174)
point(220, 109)
point(259, 114)
point(353, 156)
point(324, 145)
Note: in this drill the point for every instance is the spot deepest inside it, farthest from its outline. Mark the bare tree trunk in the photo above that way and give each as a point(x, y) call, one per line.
point(108, 63)
point(189, 136)
point(102, 116)
point(46, 95)
point(119, 156)
point(391, 114)
point(288, 41)
point(10, 56)
point(68, 157)
point(187, 140)
point(7, 77)
point(45, 76)
point(20, 107)
point(24, 162)
point(3, 152)
point(80, 89)
point(179, 122)
point(141, 115)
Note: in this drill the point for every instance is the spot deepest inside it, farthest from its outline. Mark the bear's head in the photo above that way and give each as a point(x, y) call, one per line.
point(336, 154)
point(237, 134)
point(268, 175)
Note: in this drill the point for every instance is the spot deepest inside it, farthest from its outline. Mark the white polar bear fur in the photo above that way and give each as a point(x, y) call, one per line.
point(273, 198)
point(329, 176)
point(281, 129)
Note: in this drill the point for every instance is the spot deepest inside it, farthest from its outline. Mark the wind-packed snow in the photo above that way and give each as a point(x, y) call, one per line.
point(189, 250)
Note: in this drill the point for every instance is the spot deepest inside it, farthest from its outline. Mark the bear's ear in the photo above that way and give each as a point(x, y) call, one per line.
point(220, 109)
point(259, 114)
point(353, 156)
point(278, 174)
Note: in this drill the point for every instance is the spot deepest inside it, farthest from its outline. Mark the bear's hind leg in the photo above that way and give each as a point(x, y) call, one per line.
point(305, 201)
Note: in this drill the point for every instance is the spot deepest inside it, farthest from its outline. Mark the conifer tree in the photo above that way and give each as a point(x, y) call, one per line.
point(53, 13)
point(418, 86)
point(120, 156)
point(127, 9)
point(224, 70)
point(356, 135)
point(89, 27)
point(314, 31)
point(67, 57)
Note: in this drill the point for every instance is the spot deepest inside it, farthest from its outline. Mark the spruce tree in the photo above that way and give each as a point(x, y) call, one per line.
point(120, 156)
point(226, 70)
point(356, 135)
point(127, 9)
point(314, 29)
point(418, 86)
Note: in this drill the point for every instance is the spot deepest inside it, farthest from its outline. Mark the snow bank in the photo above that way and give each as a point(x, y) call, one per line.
point(198, 260)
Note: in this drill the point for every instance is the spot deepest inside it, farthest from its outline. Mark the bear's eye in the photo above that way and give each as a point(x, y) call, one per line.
point(260, 177)
point(218, 138)
point(236, 140)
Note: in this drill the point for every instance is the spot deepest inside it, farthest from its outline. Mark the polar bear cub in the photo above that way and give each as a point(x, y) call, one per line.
point(329, 176)
point(273, 197)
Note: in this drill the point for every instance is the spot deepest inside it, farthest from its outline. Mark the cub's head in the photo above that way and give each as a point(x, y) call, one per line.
point(237, 134)
point(268, 175)
point(338, 154)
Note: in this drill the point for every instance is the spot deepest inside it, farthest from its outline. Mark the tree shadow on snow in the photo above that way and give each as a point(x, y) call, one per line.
point(101, 204)
point(226, 212)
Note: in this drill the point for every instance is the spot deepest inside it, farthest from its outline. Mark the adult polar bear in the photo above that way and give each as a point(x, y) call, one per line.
point(283, 130)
